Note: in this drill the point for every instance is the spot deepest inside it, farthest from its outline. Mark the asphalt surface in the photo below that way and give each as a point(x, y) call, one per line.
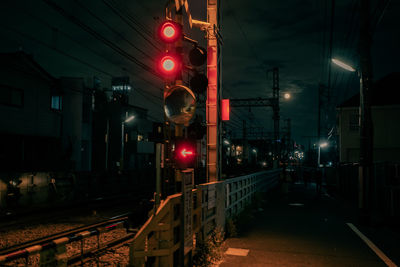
point(301, 229)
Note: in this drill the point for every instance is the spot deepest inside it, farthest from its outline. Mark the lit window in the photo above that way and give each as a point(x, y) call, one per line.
point(56, 102)
point(140, 137)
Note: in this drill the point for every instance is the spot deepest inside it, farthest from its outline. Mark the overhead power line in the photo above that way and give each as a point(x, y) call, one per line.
point(101, 38)
point(112, 29)
point(116, 12)
point(69, 37)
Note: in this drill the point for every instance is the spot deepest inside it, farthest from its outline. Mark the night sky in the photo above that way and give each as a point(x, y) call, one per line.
point(81, 39)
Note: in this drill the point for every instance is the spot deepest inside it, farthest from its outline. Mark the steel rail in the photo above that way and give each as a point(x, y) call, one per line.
point(46, 239)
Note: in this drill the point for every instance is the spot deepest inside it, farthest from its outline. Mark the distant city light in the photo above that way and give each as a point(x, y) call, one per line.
point(121, 87)
point(286, 95)
point(254, 150)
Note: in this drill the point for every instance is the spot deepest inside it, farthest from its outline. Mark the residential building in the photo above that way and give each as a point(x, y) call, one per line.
point(45, 122)
point(385, 109)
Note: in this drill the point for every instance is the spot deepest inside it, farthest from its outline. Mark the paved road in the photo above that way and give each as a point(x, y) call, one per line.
point(298, 229)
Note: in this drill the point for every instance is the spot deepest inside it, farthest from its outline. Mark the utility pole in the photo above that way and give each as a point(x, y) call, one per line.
point(366, 133)
point(276, 117)
point(320, 89)
point(245, 152)
point(212, 93)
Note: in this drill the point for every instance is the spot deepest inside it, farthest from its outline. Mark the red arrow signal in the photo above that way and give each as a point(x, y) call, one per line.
point(186, 153)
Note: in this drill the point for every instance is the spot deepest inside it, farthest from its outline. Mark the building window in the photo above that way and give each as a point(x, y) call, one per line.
point(11, 96)
point(354, 120)
point(56, 102)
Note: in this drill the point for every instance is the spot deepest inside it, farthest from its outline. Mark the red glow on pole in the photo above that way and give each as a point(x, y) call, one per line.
point(225, 109)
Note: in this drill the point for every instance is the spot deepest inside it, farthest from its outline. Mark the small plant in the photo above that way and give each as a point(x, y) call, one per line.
point(209, 251)
point(231, 229)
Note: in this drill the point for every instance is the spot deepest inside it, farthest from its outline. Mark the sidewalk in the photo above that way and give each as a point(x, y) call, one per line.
point(299, 229)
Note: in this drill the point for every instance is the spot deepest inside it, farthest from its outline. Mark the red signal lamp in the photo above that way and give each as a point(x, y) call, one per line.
point(185, 153)
point(169, 31)
point(169, 64)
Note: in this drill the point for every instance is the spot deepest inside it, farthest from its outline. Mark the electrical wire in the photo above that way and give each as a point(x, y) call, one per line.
point(111, 29)
point(101, 38)
point(250, 46)
point(116, 12)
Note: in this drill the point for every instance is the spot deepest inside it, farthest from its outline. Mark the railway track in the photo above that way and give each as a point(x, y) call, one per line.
point(73, 240)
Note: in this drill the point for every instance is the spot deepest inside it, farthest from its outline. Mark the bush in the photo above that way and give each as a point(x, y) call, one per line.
point(209, 251)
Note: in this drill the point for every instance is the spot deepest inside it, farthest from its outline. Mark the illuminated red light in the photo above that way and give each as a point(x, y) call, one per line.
point(185, 153)
point(169, 31)
point(225, 109)
point(169, 65)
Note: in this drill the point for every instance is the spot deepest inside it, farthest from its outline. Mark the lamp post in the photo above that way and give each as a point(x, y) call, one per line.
point(366, 135)
point(255, 153)
point(319, 152)
point(128, 119)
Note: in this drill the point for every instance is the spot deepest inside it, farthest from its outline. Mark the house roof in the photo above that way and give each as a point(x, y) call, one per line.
point(383, 92)
point(24, 62)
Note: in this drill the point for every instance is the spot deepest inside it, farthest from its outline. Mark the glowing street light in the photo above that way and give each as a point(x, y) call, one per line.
point(324, 144)
point(128, 119)
point(343, 65)
point(286, 95)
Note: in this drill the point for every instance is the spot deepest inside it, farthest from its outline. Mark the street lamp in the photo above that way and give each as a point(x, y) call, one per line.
point(325, 144)
point(255, 152)
point(128, 119)
point(366, 132)
point(343, 65)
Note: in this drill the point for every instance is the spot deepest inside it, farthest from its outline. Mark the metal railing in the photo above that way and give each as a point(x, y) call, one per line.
point(240, 190)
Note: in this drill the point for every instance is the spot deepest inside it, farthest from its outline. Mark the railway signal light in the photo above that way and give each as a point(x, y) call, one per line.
point(169, 31)
point(185, 153)
point(198, 56)
point(169, 65)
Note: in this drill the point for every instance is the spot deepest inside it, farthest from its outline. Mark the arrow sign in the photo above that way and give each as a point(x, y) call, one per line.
point(185, 153)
